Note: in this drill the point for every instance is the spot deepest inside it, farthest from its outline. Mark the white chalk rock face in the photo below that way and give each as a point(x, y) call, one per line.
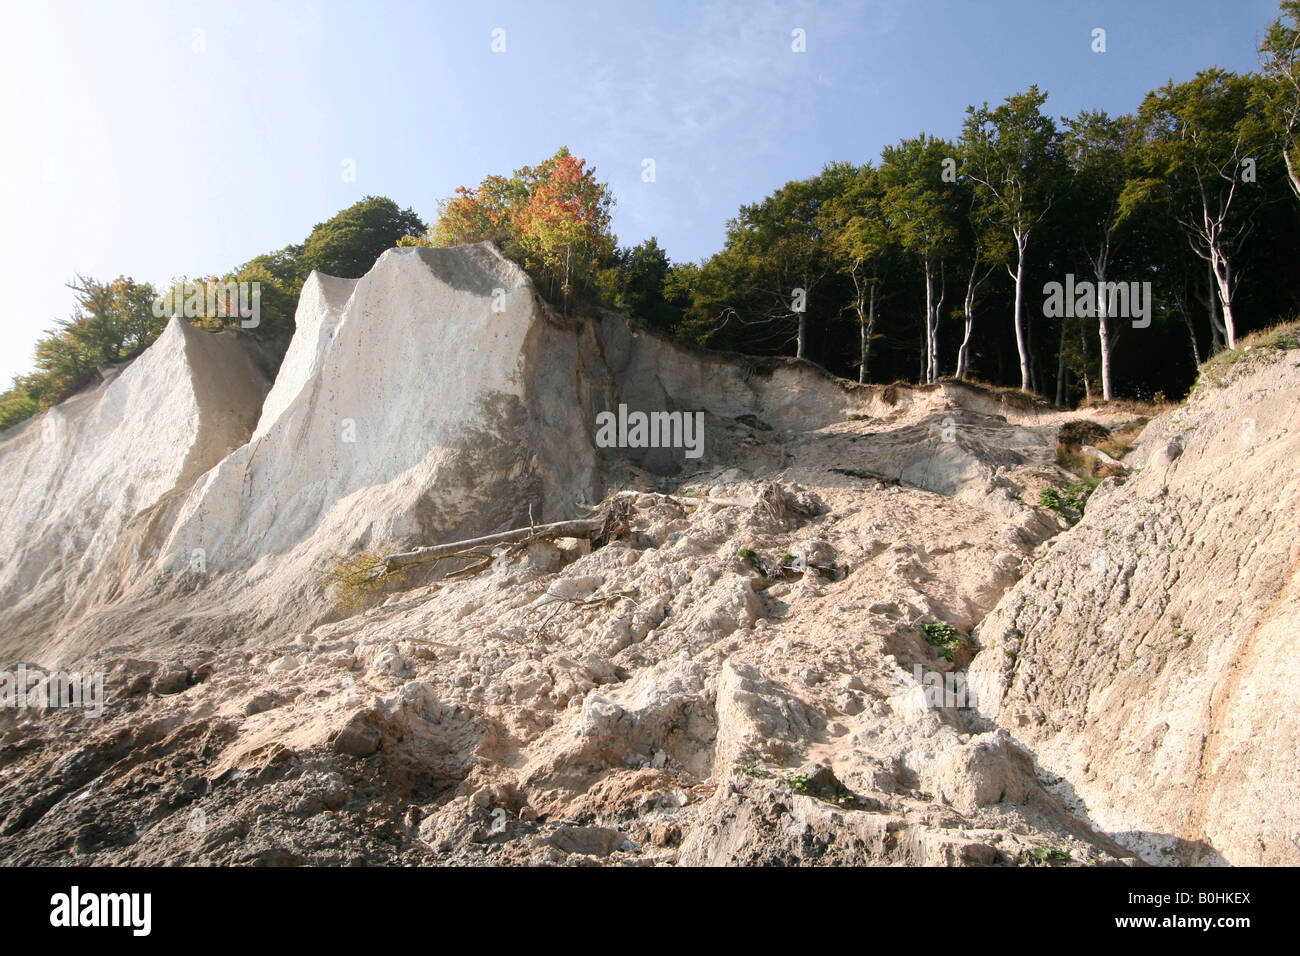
point(431, 400)
point(320, 309)
point(427, 400)
point(72, 478)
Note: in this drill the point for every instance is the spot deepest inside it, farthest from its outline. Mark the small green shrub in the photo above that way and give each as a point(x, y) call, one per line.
point(797, 779)
point(1070, 503)
point(943, 636)
point(1050, 854)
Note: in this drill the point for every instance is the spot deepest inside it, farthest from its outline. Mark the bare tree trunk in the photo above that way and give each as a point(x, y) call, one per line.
point(1191, 334)
point(927, 375)
point(867, 328)
point(1022, 341)
point(1292, 174)
point(1107, 344)
point(933, 371)
point(1087, 377)
point(1060, 369)
point(1221, 269)
point(968, 315)
point(1216, 327)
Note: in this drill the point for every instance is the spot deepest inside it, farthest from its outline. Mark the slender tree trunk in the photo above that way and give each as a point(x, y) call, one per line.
point(867, 327)
point(803, 334)
point(1103, 335)
point(1221, 270)
point(1191, 335)
point(933, 371)
point(968, 314)
point(1087, 376)
point(568, 252)
point(1216, 327)
point(920, 371)
point(1060, 368)
point(929, 321)
point(1022, 342)
point(1292, 174)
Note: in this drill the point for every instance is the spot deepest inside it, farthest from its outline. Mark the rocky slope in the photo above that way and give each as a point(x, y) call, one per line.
point(737, 675)
point(1149, 659)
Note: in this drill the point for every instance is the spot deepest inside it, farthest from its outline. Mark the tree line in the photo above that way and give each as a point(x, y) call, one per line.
point(113, 322)
point(948, 257)
point(1085, 257)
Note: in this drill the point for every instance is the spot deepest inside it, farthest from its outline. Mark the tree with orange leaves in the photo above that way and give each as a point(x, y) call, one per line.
point(553, 218)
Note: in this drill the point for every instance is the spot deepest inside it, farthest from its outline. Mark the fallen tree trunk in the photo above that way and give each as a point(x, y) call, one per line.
point(579, 528)
point(609, 521)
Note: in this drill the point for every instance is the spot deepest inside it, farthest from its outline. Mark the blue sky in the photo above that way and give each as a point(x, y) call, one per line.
point(161, 139)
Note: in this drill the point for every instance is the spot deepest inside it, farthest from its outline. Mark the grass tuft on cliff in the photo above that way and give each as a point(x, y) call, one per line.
point(1279, 337)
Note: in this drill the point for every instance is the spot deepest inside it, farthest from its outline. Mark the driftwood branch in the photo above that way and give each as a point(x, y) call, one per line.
point(608, 522)
point(580, 528)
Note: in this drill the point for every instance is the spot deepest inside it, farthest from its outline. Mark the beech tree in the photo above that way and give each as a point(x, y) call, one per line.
point(563, 227)
point(984, 250)
point(925, 211)
point(1202, 152)
point(782, 247)
point(1280, 59)
point(860, 237)
point(1012, 154)
point(1099, 150)
point(348, 244)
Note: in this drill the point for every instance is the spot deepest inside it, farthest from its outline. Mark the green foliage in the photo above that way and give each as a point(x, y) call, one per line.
point(112, 322)
point(1279, 92)
point(16, 405)
point(764, 289)
point(797, 779)
point(635, 280)
point(1071, 502)
point(1283, 336)
point(1050, 854)
point(355, 578)
point(116, 321)
point(348, 244)
point(945, 637)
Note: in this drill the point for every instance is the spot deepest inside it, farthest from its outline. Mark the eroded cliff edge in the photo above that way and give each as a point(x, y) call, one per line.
point(690, 692)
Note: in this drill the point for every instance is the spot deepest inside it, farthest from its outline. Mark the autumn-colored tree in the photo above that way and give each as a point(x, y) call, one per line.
point(564, 227)
point(553, 218)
